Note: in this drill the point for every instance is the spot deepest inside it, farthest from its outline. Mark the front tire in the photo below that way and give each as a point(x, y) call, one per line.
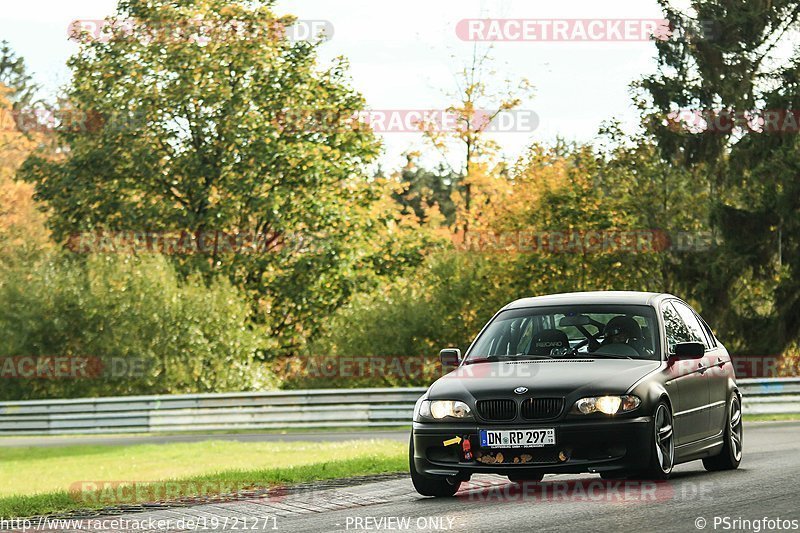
point(438, 486)
point(731, 455)
point(662, 444)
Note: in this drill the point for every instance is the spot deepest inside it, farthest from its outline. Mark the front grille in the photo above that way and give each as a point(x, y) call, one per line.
point(497, 409)
point(541, 408)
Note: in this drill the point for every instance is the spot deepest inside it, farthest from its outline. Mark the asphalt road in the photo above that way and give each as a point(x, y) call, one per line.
point(765, 486)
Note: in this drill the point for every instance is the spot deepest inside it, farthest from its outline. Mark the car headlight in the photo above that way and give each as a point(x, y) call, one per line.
point(441, 409)
point(609, 405)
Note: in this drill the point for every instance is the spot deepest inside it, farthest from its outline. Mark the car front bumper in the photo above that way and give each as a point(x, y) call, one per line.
point(581, 446)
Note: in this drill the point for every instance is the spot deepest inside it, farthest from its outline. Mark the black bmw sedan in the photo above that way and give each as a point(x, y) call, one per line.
point(624, 384)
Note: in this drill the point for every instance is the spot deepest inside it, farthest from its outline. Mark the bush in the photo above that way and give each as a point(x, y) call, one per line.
point(142, 329)
point(442, 304)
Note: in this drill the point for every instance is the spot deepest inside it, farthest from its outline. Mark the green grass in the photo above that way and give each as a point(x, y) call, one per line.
point(51, 480)
point(771, 418)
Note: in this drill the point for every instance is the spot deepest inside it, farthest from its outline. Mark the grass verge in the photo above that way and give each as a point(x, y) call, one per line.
point(771, 418)
point(95, 477)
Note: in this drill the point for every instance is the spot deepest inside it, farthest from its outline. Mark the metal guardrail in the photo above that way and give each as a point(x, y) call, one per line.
point(211, 412)
point(276, 410)
point(770, 396)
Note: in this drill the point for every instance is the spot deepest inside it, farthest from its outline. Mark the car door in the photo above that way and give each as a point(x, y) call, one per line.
point(720, 371)
point(687, 376)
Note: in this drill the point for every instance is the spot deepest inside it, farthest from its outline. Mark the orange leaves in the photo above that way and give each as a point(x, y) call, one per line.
point(21, 222)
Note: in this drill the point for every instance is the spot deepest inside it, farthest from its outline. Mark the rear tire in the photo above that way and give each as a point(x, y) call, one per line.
point(731, 455)
point(438, 486)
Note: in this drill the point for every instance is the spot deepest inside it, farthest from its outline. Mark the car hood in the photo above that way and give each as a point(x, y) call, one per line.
point(568, 378)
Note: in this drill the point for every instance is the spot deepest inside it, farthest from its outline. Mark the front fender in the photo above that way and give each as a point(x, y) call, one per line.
point(651, 392)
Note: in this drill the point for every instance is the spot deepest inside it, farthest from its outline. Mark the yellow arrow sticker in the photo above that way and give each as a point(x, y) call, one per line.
point(455, 440)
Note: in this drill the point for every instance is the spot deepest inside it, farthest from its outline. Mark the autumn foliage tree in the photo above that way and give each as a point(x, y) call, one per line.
point(22, 223)
point(478, 101)
point(207, 116)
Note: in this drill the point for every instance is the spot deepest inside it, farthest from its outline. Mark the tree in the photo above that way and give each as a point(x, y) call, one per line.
point(664, 196)
point(22, 225)
point(15, 76)
point(225, 125)
point(570, 230)
point(427, 194)
point(478, 104)
point(739, 72)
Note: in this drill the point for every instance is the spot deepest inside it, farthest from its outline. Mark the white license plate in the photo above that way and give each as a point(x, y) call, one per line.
point(517, 438)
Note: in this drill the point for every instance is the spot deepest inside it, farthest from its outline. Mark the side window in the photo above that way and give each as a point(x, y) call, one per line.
point(709, 334)
point(676, 330)
point(693, 325)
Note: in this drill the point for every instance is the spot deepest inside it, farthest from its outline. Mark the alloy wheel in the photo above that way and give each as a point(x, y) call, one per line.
point(736, 428)
point(664, 442)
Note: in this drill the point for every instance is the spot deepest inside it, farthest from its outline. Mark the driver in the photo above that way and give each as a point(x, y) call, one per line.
point(623, 330)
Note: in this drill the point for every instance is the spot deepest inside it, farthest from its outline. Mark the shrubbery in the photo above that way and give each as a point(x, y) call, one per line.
point(143, 330)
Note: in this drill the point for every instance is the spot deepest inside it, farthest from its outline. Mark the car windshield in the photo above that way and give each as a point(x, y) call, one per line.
point(608, 331)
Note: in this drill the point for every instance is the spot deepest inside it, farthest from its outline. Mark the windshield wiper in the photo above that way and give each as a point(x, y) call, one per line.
point(609, 355)
point(495, 358)
point(486, 359)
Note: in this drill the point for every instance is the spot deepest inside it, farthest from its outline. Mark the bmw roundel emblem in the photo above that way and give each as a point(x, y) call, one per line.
point(521, 390)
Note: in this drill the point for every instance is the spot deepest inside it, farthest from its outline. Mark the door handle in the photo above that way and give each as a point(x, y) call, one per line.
point(721, 361)
point(701, 368)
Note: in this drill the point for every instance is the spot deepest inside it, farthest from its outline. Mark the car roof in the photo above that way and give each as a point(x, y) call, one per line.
point(591, 297)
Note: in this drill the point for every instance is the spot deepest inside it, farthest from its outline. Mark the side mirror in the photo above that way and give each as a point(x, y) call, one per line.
point(690, 350)
point(450, 357)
